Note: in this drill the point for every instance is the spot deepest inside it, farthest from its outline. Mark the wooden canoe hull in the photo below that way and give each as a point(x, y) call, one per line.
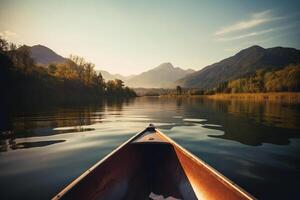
point(150, 162)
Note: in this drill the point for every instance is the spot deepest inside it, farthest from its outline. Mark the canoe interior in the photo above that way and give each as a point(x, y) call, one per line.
point(151, 164)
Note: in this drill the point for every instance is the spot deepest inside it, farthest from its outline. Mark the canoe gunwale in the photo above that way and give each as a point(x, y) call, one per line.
point(227, 182)
point(215, 172)
point(82, 176)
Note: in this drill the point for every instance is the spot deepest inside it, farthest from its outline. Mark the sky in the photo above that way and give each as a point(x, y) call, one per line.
point(130, 37)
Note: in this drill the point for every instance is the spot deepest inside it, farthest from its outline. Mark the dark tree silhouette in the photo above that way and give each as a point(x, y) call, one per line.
point(74, 81)
point(178, 90)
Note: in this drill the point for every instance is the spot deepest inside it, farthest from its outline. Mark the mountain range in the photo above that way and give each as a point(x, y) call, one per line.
point(108, 76)
point(242, 64)
point(162, 76)
point(44, 56)
point(159, 77)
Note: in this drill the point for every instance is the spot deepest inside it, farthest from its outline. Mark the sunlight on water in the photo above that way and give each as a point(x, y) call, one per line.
point(194, 120)
point(253, 144)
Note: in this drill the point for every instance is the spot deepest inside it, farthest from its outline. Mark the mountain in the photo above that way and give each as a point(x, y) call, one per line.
point(43, 55)
point(244, 63)
point(160, 77)
point(108, 76)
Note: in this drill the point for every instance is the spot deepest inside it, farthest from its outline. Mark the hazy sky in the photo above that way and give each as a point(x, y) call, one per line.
point(129, 37)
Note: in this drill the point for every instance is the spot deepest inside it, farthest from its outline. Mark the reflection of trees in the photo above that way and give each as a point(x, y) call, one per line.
point(42, 122)
point(3, 145)
point(5, 119)
point(11, 144)
point(248, 122)
point(252, 123)
point(268, 113)
point(115, 104)
point(60, 117)
point(178, 102)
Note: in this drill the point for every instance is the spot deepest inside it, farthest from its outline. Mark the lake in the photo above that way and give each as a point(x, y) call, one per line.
point(255, 144)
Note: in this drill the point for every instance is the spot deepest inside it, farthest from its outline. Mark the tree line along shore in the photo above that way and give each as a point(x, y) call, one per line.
point(22, 81)
point(275, 84)
point(280, 97)
point(286, 97)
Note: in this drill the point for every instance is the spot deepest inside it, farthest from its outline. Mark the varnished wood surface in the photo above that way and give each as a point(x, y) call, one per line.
point(151, 162)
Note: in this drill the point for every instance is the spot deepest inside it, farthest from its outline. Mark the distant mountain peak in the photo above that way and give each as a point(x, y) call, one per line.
point(108, 76)
point(166, 65)
point(162, 76)
point(39, 45)
point(252, 49)
point(44, 55)
point(244, 63)
point(255, 47)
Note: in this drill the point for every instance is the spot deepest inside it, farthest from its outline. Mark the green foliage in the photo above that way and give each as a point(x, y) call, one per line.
point(74, 81)
point(243, 64)
point(286, 79)
point(115, 88)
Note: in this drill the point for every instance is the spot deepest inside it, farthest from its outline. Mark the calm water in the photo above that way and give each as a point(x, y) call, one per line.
point(256, 145)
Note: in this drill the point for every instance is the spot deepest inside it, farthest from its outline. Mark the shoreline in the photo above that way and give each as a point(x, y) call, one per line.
point(293, 97)
point(287, 97)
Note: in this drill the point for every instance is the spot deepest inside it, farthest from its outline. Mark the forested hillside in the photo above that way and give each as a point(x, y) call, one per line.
point(244, 63)
point(286, 79)
point(75, 81)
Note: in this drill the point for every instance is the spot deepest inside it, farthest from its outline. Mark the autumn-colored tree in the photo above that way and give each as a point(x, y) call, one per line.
point(286, 79)
point(74, 80)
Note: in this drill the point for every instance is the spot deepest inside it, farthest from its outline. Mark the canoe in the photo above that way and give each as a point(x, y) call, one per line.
point(150, 165)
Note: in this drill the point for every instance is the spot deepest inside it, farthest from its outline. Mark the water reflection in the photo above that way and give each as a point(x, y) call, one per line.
point(250, 123)
point(250, 142)
point(7, 145)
